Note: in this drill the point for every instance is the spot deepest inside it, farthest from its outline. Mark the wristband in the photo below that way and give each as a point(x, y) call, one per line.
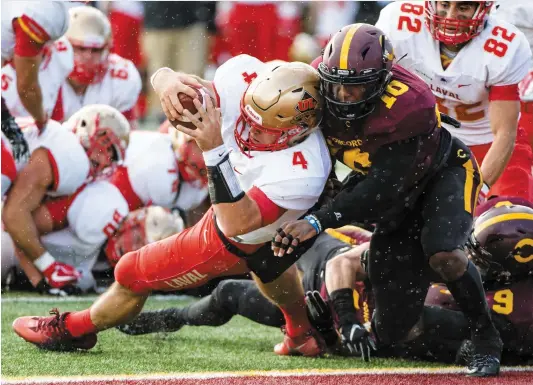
point(214, 157)
point(313, 221)
point(223, 185)
point(44, 261)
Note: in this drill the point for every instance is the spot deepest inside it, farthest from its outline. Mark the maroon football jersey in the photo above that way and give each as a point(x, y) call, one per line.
point(406, 109)
point(514, 302)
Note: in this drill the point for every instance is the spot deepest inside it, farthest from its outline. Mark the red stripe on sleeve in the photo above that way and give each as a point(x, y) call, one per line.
point(270, 212)
point(509, 92)
point(25, 46)
point(316, 62)
point(55, 170)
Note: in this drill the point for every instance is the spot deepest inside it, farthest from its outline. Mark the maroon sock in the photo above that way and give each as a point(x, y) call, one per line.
point(79, 323)
point(296, 321)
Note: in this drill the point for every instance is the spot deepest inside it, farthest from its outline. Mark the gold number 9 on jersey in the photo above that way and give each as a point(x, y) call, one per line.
point(503, 302)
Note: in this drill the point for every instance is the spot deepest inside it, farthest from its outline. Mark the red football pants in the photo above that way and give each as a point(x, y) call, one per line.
point(516, 179)
point(526, 120)
point(186, 260)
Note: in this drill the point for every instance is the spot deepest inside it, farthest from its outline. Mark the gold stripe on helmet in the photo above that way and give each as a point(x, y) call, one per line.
point(343, 65)
point(502, 218)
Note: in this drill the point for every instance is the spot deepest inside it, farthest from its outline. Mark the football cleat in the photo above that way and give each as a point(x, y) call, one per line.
point(308, 345)
point(483, 365)
point(50, 333)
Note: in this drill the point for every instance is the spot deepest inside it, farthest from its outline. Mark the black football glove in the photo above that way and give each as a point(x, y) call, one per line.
point(357, 340)
point(320, 317)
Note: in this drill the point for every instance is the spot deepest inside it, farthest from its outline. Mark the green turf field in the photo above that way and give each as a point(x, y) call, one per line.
point(237, 346)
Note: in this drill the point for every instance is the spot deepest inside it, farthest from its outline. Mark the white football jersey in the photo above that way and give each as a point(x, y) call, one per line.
point(292, 178)
point(119, 88)
point(56, 65)
point(499, 56)
point(69, 160)
point(49, 16)
point(97, 212)
point(154, 175)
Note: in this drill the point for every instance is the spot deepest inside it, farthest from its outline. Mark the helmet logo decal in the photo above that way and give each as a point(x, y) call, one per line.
point(307, 103)
point(253, 115)
point(524, 251)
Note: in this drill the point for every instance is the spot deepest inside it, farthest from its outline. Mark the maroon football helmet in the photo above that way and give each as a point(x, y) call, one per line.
point(355, 70)
point(501, 244)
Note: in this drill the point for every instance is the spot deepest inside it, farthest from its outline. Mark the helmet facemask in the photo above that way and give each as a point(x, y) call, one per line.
point(362, 91)
point(455, 31)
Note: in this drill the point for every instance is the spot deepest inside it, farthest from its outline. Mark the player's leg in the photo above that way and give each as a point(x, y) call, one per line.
point(229, 298)
point(397, 272)
point(287, 292)
point(183, 260)
point(448, 206)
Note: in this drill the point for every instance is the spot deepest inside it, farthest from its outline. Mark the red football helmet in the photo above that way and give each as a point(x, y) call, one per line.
point(89, 30)
point(104, 134)
point(455, 30)
point(501, 243)
point(191, 163)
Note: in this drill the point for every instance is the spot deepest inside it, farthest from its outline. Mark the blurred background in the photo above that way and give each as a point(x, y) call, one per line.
point(198, 36)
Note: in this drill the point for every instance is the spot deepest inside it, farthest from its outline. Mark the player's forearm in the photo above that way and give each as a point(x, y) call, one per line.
point(28, 87)
point(18, 222)
point(498, 156)
point(238, 218)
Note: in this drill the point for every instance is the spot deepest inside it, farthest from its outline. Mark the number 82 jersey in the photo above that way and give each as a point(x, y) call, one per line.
point(499, 56)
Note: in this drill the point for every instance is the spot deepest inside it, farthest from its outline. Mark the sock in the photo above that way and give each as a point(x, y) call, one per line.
point(469, 294)
point(296, 321)
point(79, 323)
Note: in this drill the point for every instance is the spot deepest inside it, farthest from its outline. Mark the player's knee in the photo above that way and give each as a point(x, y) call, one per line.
point(227, 293)
point(450, 265)
point(128, 273)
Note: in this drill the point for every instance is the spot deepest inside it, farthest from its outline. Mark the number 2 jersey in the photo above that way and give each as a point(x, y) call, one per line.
point(500, 56)
point(292, 178)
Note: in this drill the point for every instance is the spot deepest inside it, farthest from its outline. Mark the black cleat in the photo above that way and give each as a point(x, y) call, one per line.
point(161, 321)
point(483, 365)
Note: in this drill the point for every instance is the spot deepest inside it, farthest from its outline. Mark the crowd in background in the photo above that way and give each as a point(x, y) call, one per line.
point(198, 36)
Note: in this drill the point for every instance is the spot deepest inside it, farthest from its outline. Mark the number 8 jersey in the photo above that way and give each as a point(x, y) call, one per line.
point(499, 56)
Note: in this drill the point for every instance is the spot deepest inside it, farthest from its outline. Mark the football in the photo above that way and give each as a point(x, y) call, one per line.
point(187, 103)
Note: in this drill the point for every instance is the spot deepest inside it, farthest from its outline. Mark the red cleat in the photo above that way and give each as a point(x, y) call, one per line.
point(308, 345)
point(50, 333)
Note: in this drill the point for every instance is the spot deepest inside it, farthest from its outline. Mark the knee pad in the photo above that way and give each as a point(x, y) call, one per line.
point(128, 273)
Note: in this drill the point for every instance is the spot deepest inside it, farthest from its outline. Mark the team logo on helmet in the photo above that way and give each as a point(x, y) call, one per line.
point(523, 252)
point(307, 103)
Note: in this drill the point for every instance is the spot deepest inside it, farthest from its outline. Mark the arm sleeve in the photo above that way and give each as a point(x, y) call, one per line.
point(383, 188)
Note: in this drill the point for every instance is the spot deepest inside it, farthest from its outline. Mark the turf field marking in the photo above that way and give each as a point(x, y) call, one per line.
point(258, 373)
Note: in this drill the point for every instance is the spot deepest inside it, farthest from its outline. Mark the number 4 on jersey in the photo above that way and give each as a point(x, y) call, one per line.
point(299, 160)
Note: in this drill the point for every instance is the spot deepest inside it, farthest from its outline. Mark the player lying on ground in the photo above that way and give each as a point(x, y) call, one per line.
point(411, 178)
point(255, 132)
point(62, 159)
point(332, 264)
